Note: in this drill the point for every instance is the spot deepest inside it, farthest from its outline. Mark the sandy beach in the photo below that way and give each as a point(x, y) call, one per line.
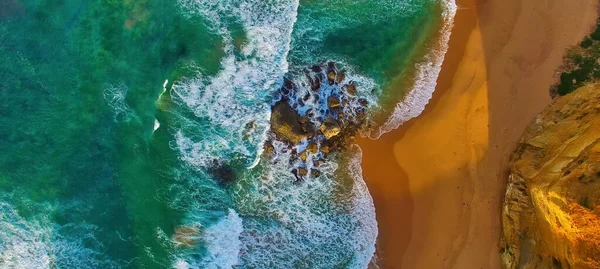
point(438, 180)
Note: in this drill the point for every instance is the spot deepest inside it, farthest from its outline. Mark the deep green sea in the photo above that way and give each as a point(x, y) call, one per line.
point(115, 113)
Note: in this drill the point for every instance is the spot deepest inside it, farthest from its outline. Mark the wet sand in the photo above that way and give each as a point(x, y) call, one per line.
point(438, 180)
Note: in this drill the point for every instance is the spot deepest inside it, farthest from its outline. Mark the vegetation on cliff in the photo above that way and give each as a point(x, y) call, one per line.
point(581, 65)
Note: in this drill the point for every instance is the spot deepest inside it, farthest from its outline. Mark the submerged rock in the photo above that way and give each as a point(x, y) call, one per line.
point(551, 213)
point(186, 236)
point(224, 173)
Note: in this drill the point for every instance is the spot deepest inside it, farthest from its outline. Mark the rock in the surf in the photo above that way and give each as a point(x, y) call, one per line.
point(333, 101)
point(331, 77)
point(302, 172)
point(315, 116)
point(351, 89)
point(330, 128)
point(285, 124)
point(363, 102)
point(269, 148)
point(312, 147)
point(340, 77)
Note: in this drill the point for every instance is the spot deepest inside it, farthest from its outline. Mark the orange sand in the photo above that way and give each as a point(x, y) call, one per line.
point(438, 181)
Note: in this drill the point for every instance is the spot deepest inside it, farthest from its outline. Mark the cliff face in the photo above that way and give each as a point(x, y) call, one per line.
point(551, 213)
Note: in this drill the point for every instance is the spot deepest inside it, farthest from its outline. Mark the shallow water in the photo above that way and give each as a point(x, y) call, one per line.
point(116, 117)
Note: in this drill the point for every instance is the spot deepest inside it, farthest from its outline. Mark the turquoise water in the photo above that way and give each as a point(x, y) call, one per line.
point(115, 115)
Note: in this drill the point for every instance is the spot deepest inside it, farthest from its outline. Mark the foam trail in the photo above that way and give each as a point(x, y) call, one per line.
point(164, 89)
point(426, 79)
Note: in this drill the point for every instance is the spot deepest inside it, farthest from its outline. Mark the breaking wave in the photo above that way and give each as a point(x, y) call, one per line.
point(428, 71)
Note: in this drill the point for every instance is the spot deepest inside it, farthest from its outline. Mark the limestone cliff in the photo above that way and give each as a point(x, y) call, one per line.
point(551, 213)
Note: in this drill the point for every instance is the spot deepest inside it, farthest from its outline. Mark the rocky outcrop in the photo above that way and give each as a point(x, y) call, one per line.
point(286, 124)
point(316, 113)
point(551, 213)
point(330, 128)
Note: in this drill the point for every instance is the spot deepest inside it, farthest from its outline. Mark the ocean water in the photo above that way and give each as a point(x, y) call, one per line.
point(132, 132)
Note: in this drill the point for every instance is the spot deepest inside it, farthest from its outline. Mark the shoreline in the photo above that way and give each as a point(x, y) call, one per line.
point(427, 73)
point(437, 181)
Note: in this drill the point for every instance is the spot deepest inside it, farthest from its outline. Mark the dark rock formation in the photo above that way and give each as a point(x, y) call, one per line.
point(330, 128)
point(286, 124)
point(316, 114)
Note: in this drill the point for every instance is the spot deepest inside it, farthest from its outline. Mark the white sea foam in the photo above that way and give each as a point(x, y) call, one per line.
point(164, 89)
point(156, 125)
point(40, 244)
point(322, 222)
point(22, 244)
point(222, 241)
point(234, 101)
point(426, 79)
point(312, 224)
point(364, 210)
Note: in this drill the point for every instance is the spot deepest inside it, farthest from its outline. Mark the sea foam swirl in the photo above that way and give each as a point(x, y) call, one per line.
point(234, 101)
